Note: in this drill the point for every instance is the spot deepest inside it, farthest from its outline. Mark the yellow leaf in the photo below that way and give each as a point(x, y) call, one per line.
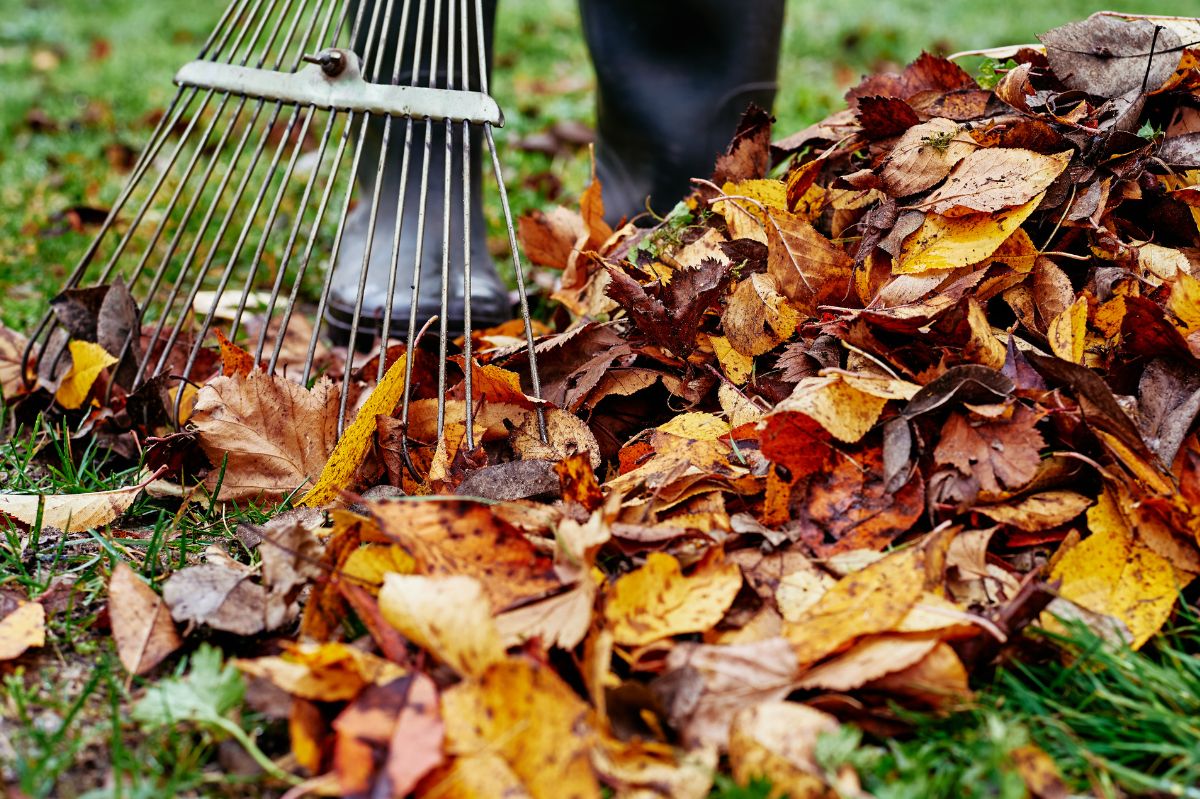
point(71, 513)
point(764, 191)
point(758, 317)
point(352, 448)
point(696, 426)
point(944, 242)
point(447, 616)
point(523, 712)
point(88, 360)
point(657, 601)
point(777, 741)
point(1114, 573)
point(25, 627)
point(322, 672)
point(875, 599)
point(737, 366)
point(648, 769)
point(370, 563)
point(1068, 331)
point(845, 405)
point(1038, 511)
point(737, 407)
point(1184, 302)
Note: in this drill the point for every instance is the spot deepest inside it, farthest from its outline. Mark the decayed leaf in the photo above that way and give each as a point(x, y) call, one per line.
point(141, 623)
point(1109, 56)
point(1115, 573)
point(705, 686)
point(522, 712)
point(777, 741)
point(12, 363)
point(222, 594)
point(845, 405)
point(872, 600)
point(71, 513)
point(1068, 331)
point(658, 601)
point(88, 360)
point(924, 155)
point(850, 505)
point(271, 434)
point(21, 629)
point(670, 314)
point(1038, 511)
point(944, 242)
point(447, 616)
point(1000, 454)
point(757, 317)
point(466, 538)
point(809, 268)
point(996, 178)
point(345, 459)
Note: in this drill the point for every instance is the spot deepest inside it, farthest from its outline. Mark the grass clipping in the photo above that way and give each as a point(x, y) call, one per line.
point(352, 447)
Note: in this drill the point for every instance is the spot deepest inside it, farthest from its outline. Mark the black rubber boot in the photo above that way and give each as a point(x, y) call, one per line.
point(489, 298)
point(673, 80)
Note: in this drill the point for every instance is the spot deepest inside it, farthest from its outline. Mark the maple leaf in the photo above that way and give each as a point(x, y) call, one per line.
point(269, 433)
point(671, 313)
point(1001, 454)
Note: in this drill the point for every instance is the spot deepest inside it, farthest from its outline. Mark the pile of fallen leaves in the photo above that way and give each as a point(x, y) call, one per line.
point(819, 446)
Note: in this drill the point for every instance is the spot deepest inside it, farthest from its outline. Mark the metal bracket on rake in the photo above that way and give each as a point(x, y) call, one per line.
point(342, 88)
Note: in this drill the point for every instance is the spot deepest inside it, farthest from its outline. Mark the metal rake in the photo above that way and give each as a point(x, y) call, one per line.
point(231, 169)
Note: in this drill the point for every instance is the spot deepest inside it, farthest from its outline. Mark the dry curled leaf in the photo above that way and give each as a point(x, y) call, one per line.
point(657, 601)
point(270, 434)
point(141, 623)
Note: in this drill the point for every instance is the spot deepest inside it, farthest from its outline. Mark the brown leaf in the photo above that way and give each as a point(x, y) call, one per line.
point(466, 538)
point(705, 686)
point(777, 742)
point(548, 239)
point(810, 269)
point(671, 314)
point(851, 506)
point(70, 513)
point(21, 629)
point(12, 363)
point(271, 434)
point(992, 179)
point(924, 156)
point(1110, 56)
point(1000, 454)
point(141, 623)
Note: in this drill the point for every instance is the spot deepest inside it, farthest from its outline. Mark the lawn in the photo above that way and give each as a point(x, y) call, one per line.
point(80, 82)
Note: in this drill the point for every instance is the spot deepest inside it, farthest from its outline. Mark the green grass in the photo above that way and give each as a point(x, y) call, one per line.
point(78, 79)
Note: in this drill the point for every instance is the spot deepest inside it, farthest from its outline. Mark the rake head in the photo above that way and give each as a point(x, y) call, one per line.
point(264, 169)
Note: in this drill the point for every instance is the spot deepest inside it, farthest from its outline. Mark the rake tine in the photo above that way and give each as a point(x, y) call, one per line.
point(468, 366)
point(389, 301)
point(443, 342)
point(535, 382)
point(147, 159)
